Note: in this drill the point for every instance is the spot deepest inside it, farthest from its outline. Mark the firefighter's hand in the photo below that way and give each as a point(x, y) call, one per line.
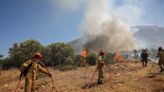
point(103, 63)
point(49, 74)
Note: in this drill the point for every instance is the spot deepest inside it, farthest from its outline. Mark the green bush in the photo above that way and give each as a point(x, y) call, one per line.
point(91, 59)
point(19, 53)
point(55, 54)
point(78, 61)
point(59, 54)
point(109, 58)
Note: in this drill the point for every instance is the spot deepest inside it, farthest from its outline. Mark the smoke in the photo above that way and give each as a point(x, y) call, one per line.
point(106, 26)
point(114, 36)
point(102, 28)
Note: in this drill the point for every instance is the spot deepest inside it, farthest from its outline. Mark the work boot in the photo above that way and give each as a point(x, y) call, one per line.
point(143, 64)
point(162, 69)
point(99, 81)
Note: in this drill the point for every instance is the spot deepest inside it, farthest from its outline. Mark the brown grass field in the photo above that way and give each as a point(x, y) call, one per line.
point(130, 77)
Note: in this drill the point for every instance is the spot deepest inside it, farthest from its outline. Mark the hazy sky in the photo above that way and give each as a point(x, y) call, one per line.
point(51, 21)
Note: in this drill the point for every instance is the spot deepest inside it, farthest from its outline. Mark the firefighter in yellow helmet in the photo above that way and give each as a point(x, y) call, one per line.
point(30, 70)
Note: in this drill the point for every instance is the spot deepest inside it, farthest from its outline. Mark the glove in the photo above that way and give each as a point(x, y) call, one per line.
point(49, 74)
point(103, 63)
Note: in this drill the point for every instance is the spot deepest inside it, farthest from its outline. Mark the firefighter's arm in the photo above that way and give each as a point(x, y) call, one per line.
point(103, 63)
point(44, 70)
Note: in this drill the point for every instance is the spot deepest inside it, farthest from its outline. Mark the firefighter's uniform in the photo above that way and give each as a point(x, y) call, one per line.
point(160, 54)
point(144, 57)
point(32, 74)
point(100, 64)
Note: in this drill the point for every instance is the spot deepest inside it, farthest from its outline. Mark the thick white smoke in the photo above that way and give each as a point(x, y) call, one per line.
point(106, 27)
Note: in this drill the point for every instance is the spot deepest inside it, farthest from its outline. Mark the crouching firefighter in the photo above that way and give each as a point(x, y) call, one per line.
point(100, 64)
point(30, 70)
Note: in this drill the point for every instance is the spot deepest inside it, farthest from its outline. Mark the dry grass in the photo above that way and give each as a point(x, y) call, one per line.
point(125, 78)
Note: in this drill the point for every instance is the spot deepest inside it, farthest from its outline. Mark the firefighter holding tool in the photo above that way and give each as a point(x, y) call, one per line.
point(30, 70)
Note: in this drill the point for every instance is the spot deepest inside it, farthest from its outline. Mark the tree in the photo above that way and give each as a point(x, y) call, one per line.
point(19, 53)
point(109, 58)
point(91, 59)
point(60, 54)
point(78, 60)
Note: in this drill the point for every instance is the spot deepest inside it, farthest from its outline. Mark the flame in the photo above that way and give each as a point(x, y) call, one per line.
point(118, 57)
point(84, 53)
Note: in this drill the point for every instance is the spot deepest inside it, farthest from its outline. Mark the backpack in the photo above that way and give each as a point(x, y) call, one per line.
point(24, 70)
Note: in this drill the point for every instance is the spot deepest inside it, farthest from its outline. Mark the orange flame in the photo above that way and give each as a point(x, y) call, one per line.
point(84, 53)
point(118, 57)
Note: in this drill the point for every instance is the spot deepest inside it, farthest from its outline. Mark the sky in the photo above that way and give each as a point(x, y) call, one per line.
point(50, 21)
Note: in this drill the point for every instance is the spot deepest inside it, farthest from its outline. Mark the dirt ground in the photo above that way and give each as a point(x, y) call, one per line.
point(125, 77)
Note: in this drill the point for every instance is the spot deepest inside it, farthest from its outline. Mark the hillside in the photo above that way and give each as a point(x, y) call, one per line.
point(124, 78)
point(147, 36)
point(150, 36)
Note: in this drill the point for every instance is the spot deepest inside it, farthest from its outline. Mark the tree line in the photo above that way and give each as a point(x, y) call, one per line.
point(58, 55)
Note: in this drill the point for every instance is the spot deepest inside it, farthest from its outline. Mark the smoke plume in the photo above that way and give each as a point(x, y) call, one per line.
point(101, 28)
point(107, 27)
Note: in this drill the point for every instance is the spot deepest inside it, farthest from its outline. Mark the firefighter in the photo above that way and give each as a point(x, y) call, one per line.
point(144, 57)
point(100, 64)
point(160, 54)
point(30, 70)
